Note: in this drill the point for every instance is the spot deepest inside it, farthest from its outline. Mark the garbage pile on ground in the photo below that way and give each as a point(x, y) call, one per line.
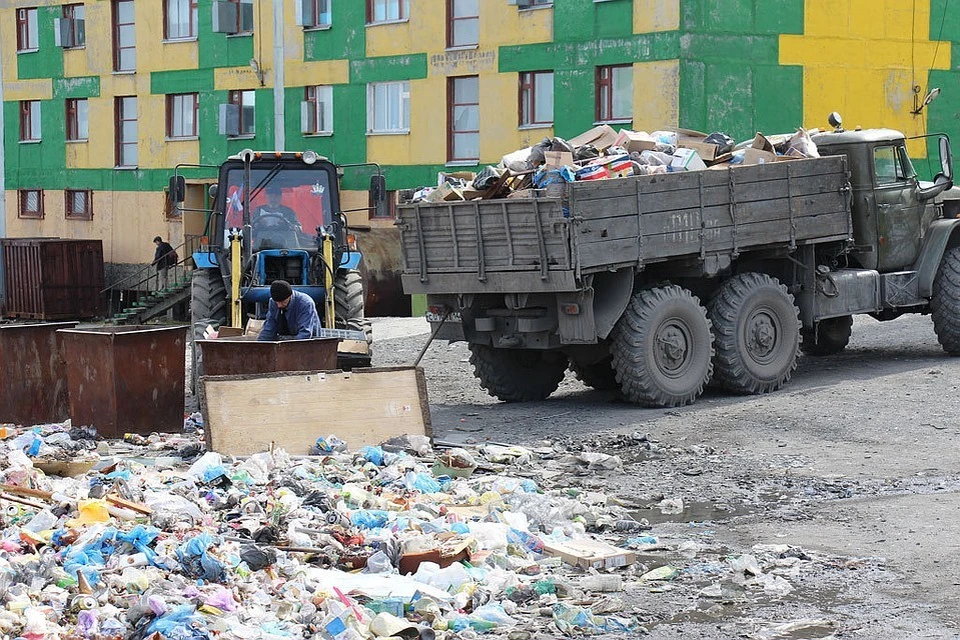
point(603, 153)
point(397, 540)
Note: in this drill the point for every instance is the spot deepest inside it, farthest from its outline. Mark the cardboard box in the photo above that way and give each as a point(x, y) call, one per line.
point(706, 150)
point(601, 137)
point(558, 158)
point(587, 553)
point(445, 193)
point(687, 160)
point(638, 141)
point(763, 143)
point(758, 156)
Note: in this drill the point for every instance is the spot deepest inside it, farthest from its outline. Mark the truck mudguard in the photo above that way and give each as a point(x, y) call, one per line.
point(940, 234)
point(612, 291)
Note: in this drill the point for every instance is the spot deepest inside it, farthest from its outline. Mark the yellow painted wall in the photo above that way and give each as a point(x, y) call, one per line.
point(656, 91)
point(656, 15)
point(863, 58)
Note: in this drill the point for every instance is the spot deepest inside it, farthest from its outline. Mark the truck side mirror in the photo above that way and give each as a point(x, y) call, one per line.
point(378, 195)
point(946, 158)
point(177, 189)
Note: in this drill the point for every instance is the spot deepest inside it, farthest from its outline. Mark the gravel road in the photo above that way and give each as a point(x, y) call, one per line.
point(847, 479)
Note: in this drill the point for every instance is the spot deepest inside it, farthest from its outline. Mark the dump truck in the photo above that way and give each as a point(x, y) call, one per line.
point(278, 216)
point(658, 285)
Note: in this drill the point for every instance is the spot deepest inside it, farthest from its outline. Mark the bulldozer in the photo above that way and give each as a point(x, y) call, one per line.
point(278, 216)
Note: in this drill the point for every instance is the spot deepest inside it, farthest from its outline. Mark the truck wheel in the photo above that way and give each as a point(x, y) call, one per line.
point(348, 295)
point(662, 348)
point(517, 375)
point(208, 300)
point(599, 375)
point(831, 336)
point(756, 332)
point(945, 303)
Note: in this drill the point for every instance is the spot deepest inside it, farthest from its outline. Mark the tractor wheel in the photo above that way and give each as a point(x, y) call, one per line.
point(348, 295)
point(598, 375)
point(756, 333)
point(208, 301)
point(662, 348)
point(517, 375)
point(945, 303)
point(831, 336)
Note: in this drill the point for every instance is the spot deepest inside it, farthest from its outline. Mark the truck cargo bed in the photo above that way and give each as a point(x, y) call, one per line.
point(547, 244)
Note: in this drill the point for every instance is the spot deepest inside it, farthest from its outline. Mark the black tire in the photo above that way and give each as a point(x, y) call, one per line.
point(756, 334)
point(831, 336)
point(348, 295)
point(208, 300)
point(517, 375)
point(598, 375)
point(945, 303)
point(662, 348)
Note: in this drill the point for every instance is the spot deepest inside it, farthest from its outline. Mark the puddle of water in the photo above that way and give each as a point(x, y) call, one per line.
point(693, 512)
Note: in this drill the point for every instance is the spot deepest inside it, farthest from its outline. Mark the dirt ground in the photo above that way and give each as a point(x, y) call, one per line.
point(851, 468)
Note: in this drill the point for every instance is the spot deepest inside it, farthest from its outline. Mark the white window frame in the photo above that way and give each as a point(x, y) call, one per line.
point(192, 19)
point(397, 122)
point(178, 107)
point(402, 11)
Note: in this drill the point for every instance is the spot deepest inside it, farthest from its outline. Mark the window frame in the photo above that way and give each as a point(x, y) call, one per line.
point(25, 18)
point(70, 13)
point(528, 85)
point(72, 117)
point(21, 199)
point(404, 87)
point(606, 87)
point(391, 197)
point(317, 24)
point(115, 32)
point(235, 96)
point(171, 99)
point(119, 141)
point(68, 213)
point(27, 121)
point(194, 22)
point(403, 11)
point(451, 26)
point(316, 106)
point(451, 113)
point(534, 4)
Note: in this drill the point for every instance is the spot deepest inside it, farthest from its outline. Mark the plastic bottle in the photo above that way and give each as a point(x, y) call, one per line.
point(602, 582)
point(43, 521)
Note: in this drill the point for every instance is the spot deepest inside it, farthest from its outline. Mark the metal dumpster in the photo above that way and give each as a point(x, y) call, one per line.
point(34, 388)
point(53, 279)
point(239, 356)
point(126, 379)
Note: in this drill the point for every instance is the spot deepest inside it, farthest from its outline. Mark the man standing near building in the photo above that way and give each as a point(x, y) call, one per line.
point(163, 258)
point(291, 315)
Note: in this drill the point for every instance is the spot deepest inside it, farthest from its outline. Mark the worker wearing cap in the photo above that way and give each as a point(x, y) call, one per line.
point(274, 207)
point(291, 315)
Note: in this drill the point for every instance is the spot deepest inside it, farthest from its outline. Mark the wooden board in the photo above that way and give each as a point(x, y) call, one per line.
point(249, 414)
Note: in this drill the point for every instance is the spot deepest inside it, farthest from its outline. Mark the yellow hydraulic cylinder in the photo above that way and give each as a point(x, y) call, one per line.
point(236, 316)
point(330, 319)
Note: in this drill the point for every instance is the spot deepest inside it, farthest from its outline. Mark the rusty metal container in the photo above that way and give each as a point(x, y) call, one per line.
point(235, 357)
point(126, 379)
point(53, 279)
point(34, 388)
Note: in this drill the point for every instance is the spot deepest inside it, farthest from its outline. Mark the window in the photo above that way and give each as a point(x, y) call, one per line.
point(124, 36)
point(182, 115)
point(78, 204)
point(463, 23)
point(126, 131)
point(314, 13)
point(892, 164)
point(388, 107)
point(614, 93)
point(391, 212)
point(527, 4)
point(27, 39)
point(70, 32)
point(233, 16)
point(179, 19)
point(387, 10)
point(536, 98)
point(245, 103)
point(316, 112)
point(463, 98)
point(30, 203)
point(77, 128)
point(29, 121)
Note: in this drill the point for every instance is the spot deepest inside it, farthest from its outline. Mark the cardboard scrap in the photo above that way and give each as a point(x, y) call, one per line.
point(445, 193)
point(587, 553)
point(601, 137)
point(558, 159)
point(635, 141)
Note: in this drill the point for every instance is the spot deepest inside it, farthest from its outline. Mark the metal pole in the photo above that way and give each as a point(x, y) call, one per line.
point(279, 135)
point(3, 198)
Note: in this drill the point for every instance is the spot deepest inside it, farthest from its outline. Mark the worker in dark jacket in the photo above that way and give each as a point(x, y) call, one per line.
point(163, 258)
point(291, 315)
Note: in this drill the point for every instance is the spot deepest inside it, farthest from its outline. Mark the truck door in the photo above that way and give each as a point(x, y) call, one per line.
point(898, 208)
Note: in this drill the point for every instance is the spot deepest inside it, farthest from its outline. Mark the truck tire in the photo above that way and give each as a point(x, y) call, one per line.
point(945, 303)
point(598, 375)
point(756, 332)
point(517, 375)
point(208, 300)
point(662, 348)
point(348, 302)
point(831, 336)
